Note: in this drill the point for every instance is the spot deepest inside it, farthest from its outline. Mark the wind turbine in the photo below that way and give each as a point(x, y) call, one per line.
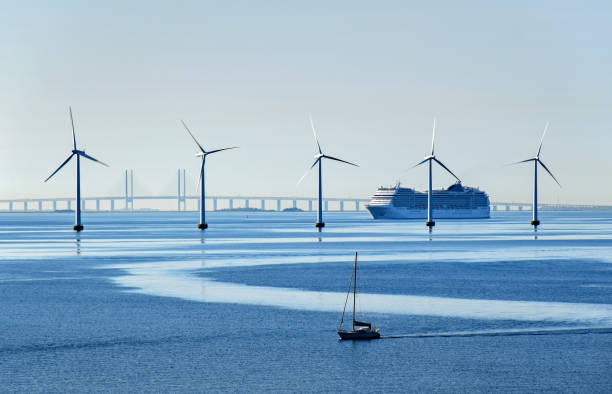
point(319, 159)
point(203, 153)
point(535, 222)
point(430, 223)
point(78, 226)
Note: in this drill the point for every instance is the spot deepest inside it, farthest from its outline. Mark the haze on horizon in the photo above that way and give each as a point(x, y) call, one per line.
point(373, 76)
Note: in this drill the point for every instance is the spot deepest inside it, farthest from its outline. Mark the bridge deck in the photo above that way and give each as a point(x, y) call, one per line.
point(116, 203)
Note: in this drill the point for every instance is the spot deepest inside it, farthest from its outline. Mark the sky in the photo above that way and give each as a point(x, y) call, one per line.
point(372, 74)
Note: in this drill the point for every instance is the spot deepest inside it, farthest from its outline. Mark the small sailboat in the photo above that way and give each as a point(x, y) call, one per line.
point(361, 330)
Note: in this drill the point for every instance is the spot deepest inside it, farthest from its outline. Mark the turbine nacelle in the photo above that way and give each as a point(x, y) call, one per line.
point(432, 156)
point(203, 152)
point(538, 161)
point(75, 151)
point(321, 155)
point(537, 157)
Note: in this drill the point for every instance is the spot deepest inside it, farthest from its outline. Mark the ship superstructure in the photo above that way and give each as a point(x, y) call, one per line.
point(455, 202)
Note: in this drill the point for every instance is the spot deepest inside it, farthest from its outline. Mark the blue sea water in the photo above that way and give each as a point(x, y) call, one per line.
point(146, 302)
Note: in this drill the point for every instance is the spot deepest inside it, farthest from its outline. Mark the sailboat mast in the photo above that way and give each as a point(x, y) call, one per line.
point(354, 290)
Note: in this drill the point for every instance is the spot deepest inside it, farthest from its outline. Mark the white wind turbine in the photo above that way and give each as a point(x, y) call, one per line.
point(78, 226)
point(535, 222)
point(430, 223)
point(319, 159)
point(203, 153)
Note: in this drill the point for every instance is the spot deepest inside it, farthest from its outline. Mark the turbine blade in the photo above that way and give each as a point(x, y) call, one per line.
point(308, 170)
point(443, 166)
point(194, 138)
point(315, 134)
point(60, 167)
point(542, 139)
point(433, 137)
point(85, 155)
point(549, 173)
point(424, 160)
point(519, 162)
point(72, 123)
point(200, 177)
point(219, 150)
point(343, 161)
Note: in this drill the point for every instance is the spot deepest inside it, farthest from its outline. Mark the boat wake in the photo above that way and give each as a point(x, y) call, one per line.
point(504, 333)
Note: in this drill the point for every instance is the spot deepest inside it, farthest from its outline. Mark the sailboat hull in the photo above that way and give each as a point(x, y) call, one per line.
point(362, 334)
point(365, 330)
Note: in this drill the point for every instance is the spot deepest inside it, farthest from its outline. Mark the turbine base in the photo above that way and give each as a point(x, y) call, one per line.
point(430, 224)
point(535, 222)
point(319, 224)
point(78, 227)
point(202, 226)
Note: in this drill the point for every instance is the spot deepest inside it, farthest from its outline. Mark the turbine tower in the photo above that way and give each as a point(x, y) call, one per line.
point(319, 159)
point(430, 223)
point(536, 160)
point(78, 226)
point(203, 153)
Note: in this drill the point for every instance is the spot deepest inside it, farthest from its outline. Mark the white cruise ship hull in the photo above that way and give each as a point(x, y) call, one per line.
point(455, 202)
point(392, 212)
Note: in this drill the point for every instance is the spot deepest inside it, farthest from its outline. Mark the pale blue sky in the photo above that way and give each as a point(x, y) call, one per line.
point(373, 75)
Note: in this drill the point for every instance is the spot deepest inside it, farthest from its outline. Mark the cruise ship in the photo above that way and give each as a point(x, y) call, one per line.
point(454, 202)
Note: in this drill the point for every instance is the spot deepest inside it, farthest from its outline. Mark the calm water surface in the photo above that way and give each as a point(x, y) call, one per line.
point(146, 302)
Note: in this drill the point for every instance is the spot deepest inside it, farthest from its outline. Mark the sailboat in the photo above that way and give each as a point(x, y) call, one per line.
point(361, 330)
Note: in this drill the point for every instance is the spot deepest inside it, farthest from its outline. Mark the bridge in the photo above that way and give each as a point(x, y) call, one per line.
point(516, 206)
point(182, 202)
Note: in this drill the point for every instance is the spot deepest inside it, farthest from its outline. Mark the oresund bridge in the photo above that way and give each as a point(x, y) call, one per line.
point(181, 202)
point(128, 202)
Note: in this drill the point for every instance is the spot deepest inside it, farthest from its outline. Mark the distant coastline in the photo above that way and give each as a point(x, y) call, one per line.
point(257, 210)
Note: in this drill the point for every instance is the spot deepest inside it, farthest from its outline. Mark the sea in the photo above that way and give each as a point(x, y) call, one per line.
point(146, 302)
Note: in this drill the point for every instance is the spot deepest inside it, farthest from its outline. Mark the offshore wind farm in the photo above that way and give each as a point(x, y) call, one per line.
point(378, 206)
point(160, 273)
